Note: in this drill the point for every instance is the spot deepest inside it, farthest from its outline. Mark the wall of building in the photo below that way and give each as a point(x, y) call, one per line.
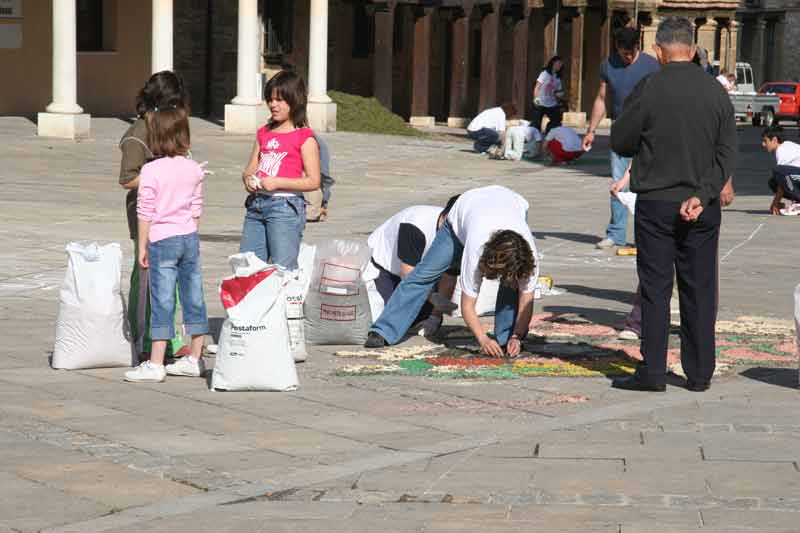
point(789, 69)
point(107, 81)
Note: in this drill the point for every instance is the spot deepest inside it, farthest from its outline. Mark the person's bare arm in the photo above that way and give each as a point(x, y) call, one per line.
point(727, 194)
point(623, 182)
point(524, 315)
point(488, 346)
point(144, 232)
point(312, 177)
point(131, 184)
point(536, 90)
point(251, 168)
point(598, 112)
point(777, 201)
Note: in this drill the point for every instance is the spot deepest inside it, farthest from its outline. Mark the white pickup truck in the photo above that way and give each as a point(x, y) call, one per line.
point(760, 109)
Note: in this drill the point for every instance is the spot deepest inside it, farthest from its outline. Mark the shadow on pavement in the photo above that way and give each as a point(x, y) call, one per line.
point(781, 377)
point(567, 236)
point(625, 297)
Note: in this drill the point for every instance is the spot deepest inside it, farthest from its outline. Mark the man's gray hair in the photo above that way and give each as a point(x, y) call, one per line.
point(675, 30)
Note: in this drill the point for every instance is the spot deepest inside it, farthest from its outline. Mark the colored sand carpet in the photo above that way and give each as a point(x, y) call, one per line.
point(570, 346)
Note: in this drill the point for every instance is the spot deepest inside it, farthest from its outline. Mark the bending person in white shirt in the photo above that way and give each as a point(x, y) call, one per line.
point(397, 246)
point(488, 127)
point(487, 234)
point(785, 180)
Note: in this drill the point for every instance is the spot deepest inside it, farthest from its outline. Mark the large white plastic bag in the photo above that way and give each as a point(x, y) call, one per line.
point(254, 352)
point(296, 290)
point(91, 326)
point(337, 309)
point(487, 298)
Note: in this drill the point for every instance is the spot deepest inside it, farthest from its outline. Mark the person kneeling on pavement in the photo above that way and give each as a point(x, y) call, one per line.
point(488, 127)
point(487, 233)
point(785, 180)
point(398, 245)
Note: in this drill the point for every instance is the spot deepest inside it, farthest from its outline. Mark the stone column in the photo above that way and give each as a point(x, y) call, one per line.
point(459, 77)
point(64, 117)
point(490, 42)
point(757, 50)
point(421, 69)
point(548, 49)
point(706, 37)
point(520, 90)
point(321, 109)
point(733, 46)
point(382, 70)
point(778, 52)
point(576, 65)
point(649, 35)
point(161, 56)
point(246, 112)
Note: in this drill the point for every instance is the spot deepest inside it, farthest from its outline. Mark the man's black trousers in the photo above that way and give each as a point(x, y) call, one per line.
point(666, 246)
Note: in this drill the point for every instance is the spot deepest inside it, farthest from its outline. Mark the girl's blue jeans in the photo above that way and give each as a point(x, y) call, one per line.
point(273, 228)
point(175, 261)
point(412, 293)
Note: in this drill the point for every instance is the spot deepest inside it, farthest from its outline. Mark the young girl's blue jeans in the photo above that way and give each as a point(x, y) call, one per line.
point(402, 308)
point(175, 261)
point(273, 228)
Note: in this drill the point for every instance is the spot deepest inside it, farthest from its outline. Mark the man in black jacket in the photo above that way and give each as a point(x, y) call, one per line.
point(679, 126)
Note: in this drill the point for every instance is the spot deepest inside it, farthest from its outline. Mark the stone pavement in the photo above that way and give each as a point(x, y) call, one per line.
point(82, 451)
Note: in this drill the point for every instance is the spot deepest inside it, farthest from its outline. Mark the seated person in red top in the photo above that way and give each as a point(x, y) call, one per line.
point(563, 145)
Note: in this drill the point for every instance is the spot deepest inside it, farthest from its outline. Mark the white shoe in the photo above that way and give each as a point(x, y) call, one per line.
point(792, 211)
point(186, 366)
point(605, 244)
point(146, 372)
point(628, 335)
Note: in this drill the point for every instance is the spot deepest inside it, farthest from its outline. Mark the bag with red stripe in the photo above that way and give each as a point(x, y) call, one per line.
point(337, 305)
point(254, 351)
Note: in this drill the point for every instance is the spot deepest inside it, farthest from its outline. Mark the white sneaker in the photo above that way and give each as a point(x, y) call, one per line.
point(605, 244)
point(186, 366)
point(628, 335)
point(146, 372)
point(792, 211)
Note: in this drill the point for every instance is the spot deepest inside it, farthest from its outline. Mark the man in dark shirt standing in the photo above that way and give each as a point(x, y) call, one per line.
point(679, 127)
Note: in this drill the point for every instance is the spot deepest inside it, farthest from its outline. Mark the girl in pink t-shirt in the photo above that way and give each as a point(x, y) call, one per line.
point(169, 206)
point(284, 164)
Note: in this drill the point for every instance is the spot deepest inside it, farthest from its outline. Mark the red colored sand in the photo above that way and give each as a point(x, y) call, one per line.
point(747, 353)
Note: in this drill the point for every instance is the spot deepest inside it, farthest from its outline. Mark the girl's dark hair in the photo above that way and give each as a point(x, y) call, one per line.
point(509, 109)
point(507, 257)
point(549, 66)
point(163, 89)
point(168, 131)
point(290, 87)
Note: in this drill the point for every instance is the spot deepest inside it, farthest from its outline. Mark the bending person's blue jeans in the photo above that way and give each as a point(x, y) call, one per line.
point(618, 224)
point(484, 139)
point(411, 294)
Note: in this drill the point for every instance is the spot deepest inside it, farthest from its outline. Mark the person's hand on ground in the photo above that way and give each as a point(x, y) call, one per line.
point(691, 209)
point(490, 347)
point(588, 141)
point(144, 260)
point(514, 347)
point(248, 184)
point(727, 194)
point(775, 207)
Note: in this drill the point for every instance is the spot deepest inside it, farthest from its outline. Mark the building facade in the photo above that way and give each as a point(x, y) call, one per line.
point(427, 60)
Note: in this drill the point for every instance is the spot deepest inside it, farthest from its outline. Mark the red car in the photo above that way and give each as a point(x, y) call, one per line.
point(789, 93)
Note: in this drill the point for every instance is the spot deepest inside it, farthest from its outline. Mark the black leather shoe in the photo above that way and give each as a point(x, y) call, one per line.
point(698, 386)
point(633, 383)
point(374, 340)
